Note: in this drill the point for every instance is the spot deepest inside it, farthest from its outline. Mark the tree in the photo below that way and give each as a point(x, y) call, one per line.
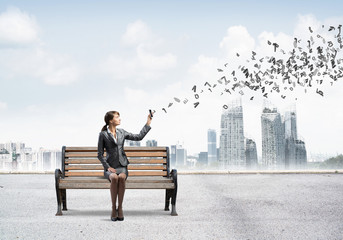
point(333, 163)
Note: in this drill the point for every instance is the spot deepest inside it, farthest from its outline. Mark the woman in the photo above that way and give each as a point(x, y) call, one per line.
point(115, 163)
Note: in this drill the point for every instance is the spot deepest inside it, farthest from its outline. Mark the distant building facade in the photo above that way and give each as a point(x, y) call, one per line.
point(281, 146)
point(172, 155)
point(250, 154)
point(181, 156)
point(273, 139)
point(151, 143)
point(295, 150)
point(232, 147)
point(178, 155)
point(16, 156)
point(131, 143)
point(300, 153)
point(203, 158)
point(211, 146)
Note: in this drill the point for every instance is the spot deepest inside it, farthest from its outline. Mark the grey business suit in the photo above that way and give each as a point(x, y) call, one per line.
point(115, 155)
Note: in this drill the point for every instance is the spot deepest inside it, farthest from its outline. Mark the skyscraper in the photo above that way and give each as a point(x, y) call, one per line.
point(300, 153)
point(211, 146)
point(273, 139)
point(131, 143)
point(181, 156)
point(151, 143)
point(295, 150)
point(290, 126)
point(178, 155)
point(173, 155)
point(232, 149)
point(290, 121)
point(250, 153)
point(203, 158)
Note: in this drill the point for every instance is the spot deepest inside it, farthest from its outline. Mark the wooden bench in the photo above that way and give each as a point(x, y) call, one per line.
point(148, 169)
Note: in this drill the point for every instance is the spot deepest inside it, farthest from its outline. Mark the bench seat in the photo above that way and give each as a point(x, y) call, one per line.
point(102, 183)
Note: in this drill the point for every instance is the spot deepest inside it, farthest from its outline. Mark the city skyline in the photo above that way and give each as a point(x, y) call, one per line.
point(289, 127)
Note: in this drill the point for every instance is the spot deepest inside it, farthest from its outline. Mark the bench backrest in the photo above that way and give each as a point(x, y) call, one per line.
point(144, 161)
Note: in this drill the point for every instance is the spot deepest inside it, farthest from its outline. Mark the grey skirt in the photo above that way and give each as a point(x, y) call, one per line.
point(118, 171)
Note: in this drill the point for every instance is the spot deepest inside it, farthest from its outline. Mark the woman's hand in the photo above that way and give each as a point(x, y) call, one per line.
point(148, 122)
point(112, 170)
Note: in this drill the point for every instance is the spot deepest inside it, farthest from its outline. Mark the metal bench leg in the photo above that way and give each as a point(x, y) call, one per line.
point(58, 192)
point(59, 203)
point(64, 199)
point(174, 192)
point(173, 212)
point(168, 196)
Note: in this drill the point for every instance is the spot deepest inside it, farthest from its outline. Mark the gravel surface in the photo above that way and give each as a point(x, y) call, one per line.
point(231, 206)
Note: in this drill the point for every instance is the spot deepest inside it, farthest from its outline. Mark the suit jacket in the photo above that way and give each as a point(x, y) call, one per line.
point(115, 155)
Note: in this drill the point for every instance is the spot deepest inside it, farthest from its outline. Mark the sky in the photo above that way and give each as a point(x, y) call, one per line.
point(64, 64)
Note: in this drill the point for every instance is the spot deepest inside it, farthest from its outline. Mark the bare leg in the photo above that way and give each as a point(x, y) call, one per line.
point(121, 191)
point(114, 192)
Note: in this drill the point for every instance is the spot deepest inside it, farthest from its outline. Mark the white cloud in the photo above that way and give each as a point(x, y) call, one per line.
point(56, 69)
point(149, 62)
point(237, 40)
point(135, 96)
point(136, 33)
point(17, 28)
point(301, 29)
point(284, 41)
point(143, 67)
point(205, 68)
point(51, 68)
point(3, 106)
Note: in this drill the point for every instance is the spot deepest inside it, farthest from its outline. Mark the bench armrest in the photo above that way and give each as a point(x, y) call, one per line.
point(58, 174)
point(173, 175)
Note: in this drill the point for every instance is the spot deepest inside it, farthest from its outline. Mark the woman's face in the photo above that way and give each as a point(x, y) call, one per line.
point(116, 120)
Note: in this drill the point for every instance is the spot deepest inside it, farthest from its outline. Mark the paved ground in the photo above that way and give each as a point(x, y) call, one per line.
point(231, 206)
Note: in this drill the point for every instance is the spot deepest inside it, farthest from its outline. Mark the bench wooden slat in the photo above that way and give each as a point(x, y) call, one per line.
point(150, 186)
point(95, 149)
point(146, 154)
point(149, 179)
point(84, 167)
point(82, 161)
point(131, 160)
point(130, 167)
point(147, 161)
point(128, 185)
point(147, 167)
point(100, 174)
point(128, 154)
point(130, 179)
point(147, 173)
point(84, 174)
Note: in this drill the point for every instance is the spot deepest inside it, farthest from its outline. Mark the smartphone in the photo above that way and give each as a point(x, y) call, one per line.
point(151, 115)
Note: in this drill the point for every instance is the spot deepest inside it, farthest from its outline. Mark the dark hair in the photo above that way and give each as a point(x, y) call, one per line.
point(108, 117)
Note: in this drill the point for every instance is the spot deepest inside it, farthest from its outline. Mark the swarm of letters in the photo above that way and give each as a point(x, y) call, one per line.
point(307, 66)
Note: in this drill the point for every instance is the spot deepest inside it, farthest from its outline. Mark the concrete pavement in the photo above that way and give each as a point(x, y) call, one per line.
point(226, 206)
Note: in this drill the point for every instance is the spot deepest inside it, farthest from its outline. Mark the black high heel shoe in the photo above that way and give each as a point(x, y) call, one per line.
point(114, 218)
point(118, 218)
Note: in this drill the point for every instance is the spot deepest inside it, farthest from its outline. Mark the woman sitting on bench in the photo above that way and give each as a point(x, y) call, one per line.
point(115, 163)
